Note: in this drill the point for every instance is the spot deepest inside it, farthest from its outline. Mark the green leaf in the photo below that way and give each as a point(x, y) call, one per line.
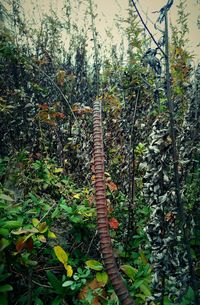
point(57, 301)
point(75, 219)
point(145, 290)
point(55, 282)
point(38, 301)
point(67, 283)
point(95, 265)
point(138, 283)
point(166, 301)
point(141, 296)
point(55, 212)
point(35, 222)
point(4, 232)
point(3, 299)
point(102, 277)
point(3, 277)
point(6, 197)
point(6, 288)
point(12, 224)
point(4, 243)
point(129, 271)
point(66, 208)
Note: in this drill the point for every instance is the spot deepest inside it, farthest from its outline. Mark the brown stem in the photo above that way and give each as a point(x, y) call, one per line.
point(102, 219)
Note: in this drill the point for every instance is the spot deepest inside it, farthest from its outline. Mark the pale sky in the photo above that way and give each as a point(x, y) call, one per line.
point(107, 9)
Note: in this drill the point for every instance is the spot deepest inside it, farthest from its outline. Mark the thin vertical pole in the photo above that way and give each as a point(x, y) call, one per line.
point(180, 208)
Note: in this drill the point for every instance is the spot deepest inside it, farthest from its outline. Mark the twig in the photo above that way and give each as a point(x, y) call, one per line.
point(49, 210)
point(147, 29)
point(56, 86)
point(91, 242)
point(41, 285)
point(132, 173)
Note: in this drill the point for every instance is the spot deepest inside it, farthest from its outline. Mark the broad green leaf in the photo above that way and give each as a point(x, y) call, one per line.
point(55, 212)
point(138, 283)
point(95, 265)
point(38, 301)
point(145, 290)
point(4, 232)
point(129, 271)
point(12, 224)
point(75, 219)
point(141, 296)
point(3, 299)
point(6, 197)
point(57, 301)
point(4, 276)
point(5, 288)
point(4, 243)
point(102, 277)
point(66, 208)
point(166, 301)
point(62, 256)
point(55, 282)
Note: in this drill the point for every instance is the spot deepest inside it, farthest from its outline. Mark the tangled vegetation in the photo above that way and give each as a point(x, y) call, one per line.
point(149, 93)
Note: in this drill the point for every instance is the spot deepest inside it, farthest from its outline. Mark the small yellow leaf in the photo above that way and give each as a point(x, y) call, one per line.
point(51, 234)
point(58, 170)
point(69, 270)
point(42, 227)
point(35, 222)
point(62, 256)
point(42, 238)
point(77, 196)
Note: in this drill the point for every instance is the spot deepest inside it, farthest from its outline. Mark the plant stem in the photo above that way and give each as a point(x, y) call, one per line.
point(147, 29)
point(175, 157)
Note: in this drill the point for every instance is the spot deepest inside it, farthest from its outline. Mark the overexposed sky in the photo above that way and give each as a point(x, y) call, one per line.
point(107, 10)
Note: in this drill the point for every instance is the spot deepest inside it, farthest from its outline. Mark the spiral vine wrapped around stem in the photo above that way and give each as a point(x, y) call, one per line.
point(102, 218)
